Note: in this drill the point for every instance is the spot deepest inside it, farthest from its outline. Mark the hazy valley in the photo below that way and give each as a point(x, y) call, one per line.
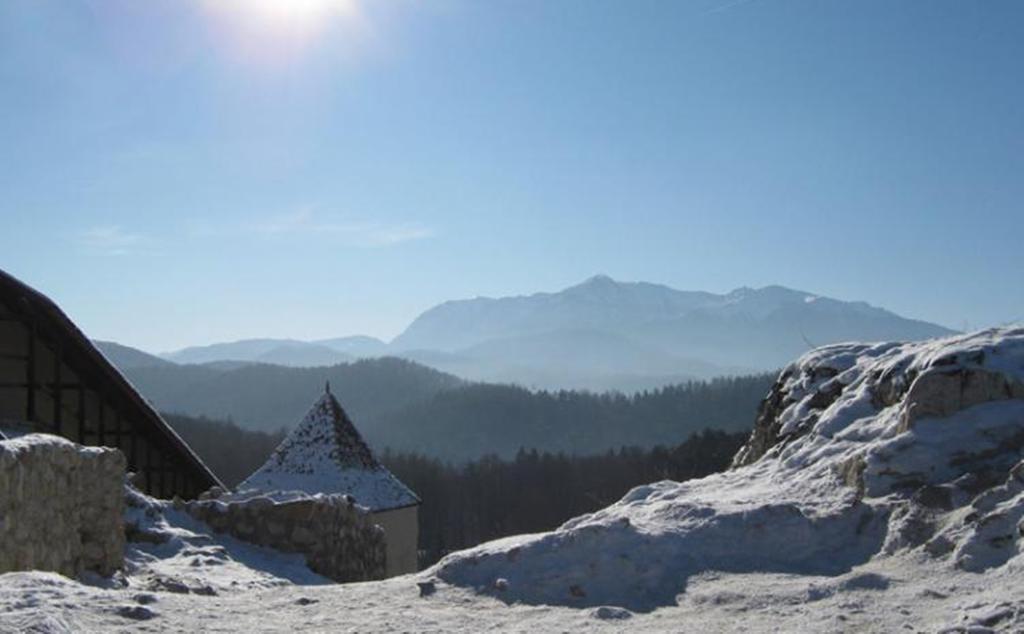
point(449, 385)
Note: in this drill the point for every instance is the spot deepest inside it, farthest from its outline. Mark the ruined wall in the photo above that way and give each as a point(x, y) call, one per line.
point(338, 538)
point(61, 506)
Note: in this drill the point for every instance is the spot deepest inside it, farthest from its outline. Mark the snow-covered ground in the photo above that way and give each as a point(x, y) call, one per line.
point(897, 594)
point(883, 490)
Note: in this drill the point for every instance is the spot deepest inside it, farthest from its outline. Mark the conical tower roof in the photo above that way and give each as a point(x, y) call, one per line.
point(326, 454)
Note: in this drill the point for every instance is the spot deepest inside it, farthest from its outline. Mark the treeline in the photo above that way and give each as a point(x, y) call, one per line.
point(467, 422)
point(537, 491)
point(231, 452)
point(409, 407)
point(461, 424)
point(467, 503)
point(267, 397)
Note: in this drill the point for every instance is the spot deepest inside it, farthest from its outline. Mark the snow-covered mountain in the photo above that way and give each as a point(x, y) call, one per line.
point(598, 304)
point(644, 329)
point(602, 334)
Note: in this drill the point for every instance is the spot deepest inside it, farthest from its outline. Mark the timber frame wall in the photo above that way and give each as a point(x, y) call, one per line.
point(53, 380)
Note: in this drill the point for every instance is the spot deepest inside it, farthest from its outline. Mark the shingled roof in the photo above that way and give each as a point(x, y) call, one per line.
point(326, 454)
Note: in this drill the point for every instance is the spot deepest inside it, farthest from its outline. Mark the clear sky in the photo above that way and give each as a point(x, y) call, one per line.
point(178, 172)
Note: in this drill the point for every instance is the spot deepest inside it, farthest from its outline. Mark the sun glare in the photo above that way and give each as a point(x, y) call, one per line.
point(309, 14)
point(280, 30)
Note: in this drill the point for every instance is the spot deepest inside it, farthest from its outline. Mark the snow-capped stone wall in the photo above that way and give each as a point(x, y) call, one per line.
point(60, 506)
point(337, 537)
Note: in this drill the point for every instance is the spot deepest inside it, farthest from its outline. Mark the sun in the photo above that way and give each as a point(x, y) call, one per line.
point(272, 32)
point(291, 14)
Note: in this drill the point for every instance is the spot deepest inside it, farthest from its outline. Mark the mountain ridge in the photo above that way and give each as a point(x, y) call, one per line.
point(600, 334)
point(752, 329)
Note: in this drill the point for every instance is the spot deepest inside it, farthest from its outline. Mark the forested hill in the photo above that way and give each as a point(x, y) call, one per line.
point(473, 420)
point(403, 406)
point(231, 452)
point(269, 397)
point(488, 497)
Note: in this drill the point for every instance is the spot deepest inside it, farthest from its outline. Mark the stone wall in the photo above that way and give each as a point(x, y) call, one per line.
point(61, 506)
point(338, 538)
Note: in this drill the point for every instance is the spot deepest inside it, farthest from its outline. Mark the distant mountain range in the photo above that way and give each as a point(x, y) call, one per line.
point(270, 397)
point(410, 394)
point(288, 352)
point(126, 357)
point(644, 328)
point(600, 334)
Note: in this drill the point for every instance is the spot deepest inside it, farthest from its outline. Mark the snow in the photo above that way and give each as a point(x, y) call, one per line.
point(793, 511)
point(897, 594)
point(855, 520)
point(279, 497)
point(25, 442)
point(326, 454)
point(170, 547)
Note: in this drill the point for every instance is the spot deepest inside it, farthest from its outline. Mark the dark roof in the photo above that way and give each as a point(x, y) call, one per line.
point(26, 300)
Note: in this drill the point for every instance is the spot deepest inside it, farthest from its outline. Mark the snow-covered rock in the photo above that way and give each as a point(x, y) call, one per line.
point(860, 452)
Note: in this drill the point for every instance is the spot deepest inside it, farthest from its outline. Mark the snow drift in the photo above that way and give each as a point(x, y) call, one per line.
point(860, 452)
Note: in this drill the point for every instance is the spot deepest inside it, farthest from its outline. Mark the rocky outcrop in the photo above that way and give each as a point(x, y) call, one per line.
point(934, 385)
point(809, 388)
point(948, 420)
point(337, 537)
point(860, 452)
point(939, 392)
point(60, 506)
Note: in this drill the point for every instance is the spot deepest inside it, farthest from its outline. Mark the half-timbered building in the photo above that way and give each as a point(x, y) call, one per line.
point(54, 380)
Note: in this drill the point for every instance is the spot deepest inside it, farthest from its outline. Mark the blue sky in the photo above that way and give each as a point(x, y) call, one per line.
point(178, 172)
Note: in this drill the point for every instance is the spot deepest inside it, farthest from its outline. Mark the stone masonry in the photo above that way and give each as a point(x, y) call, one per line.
point(337, 537)
point(61, 506)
